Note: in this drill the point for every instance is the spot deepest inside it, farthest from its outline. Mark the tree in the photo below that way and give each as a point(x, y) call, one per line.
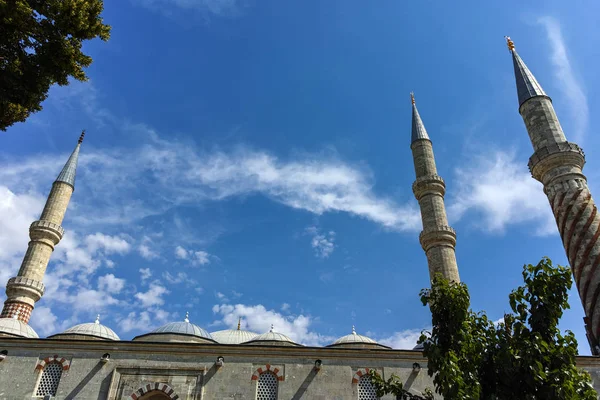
point(523, 357)
point(40, 45)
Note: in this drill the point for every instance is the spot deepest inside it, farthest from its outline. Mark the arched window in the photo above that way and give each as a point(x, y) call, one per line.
point(366, 390)
point(266, 388)
point(49, 380)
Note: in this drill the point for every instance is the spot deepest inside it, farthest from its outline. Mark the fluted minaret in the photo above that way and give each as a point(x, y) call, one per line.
point(437, 238)
point(23, 290)
point(558, 165)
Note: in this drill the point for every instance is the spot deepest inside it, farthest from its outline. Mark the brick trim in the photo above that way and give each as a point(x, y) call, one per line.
point(268, 368)
point(361, 372)
point(156, 386)
point(66, 364)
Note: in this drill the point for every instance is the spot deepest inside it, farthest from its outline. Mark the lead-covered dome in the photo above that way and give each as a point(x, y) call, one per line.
point(272, 338)
point(183, 331)
point(354, 340)
point(88, 331)
point(13, 327)
point(233, 336)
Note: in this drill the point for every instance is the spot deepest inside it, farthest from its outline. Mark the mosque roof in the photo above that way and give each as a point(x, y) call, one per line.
point(272, 336)
point(527, 85)
point(354, 338)
point(16, 327)
point(95, 329)
point(67, 175)
point(233, 336)
point(418, 129)
point(184, 327)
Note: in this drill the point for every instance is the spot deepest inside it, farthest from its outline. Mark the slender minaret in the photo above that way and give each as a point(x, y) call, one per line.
point(558, 165)
point(23, 290)
point(437, 238)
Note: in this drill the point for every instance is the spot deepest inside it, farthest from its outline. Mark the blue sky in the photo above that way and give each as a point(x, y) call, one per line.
point(251, 159)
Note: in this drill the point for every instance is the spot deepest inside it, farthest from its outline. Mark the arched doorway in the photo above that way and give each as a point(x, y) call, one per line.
point(155, 391)
point(155, 395)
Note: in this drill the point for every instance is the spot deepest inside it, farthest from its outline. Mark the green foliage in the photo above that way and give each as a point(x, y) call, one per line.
point(394, 386)
point(40, 45)
point(524, 357)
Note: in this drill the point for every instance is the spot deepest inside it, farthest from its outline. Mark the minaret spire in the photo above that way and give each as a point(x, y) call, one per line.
point(438, 239)
point(25, 289)
point(558, 165)
point(527, 85)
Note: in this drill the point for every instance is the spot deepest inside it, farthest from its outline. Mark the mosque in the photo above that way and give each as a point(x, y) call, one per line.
point(180, 360)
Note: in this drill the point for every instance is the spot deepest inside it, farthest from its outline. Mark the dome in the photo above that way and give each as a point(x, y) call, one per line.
point(233, 336)
point(14, 327)
point(183, 331)
point(356, 340)
point(91, 330)
point(273, 338)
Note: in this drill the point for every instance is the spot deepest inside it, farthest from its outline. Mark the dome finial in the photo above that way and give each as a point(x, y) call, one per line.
point(272, 327)
point(187, 317)
point(81, 136)
point(412, 97)
point(509, 43)
point(97, 319)
point(239, 323)
point(353, 330)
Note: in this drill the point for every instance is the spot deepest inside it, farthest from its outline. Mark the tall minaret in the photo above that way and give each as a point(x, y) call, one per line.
point(558, 165)
point(23, 290)
point(437, 238)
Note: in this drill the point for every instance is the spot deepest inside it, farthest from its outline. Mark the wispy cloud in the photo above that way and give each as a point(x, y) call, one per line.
point(502, 192)
point(322, 243)
point(565, 76)
point(221, 8)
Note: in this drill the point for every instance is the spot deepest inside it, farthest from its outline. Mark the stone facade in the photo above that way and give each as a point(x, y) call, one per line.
point(191, 372)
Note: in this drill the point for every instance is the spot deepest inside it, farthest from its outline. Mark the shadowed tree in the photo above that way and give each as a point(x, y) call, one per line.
point(40, 45)
point(523, 357)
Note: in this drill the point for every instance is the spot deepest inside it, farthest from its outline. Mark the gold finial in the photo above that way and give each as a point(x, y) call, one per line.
point(239, 323)
point(412, 97)
point(81, 137)
point(509, 43)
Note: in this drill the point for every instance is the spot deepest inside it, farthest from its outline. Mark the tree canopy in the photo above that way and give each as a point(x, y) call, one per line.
point(523, 357)
point(40, 45)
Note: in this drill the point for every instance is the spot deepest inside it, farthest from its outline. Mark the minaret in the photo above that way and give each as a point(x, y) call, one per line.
point(558, 165)
point(23, 290)
point(437, 238)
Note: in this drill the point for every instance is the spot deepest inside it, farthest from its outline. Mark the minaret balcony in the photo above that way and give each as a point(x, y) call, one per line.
point(428, 184)
point(436, 236)
point(41, 230)
point(19, 284)
point(554, 155)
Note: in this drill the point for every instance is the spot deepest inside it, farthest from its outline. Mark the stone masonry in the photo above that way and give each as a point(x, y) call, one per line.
point(438, 239)
point(558, 165)
point(24, 290)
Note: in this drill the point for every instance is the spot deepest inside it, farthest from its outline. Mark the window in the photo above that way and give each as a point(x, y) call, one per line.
point(49, 379)
point(266, 389)
point(366, 391)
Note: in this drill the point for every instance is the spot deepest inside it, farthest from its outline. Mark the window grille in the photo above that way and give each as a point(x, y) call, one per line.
point(366, 391)
point(266, 389)
point(49, 380)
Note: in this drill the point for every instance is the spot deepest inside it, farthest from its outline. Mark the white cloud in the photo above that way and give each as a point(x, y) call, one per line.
point(144, 321)
point(181, 253)
point(110, 283)
point(107, 244)
point(285, 307)
point(201, 258)
point(44, 321)
point(503, 192)
point(322, 243)
point(146, 252)
point(90, 299)
point(153, 297)
point(258, 319)
point(180, 277)
point(565, 76)
point(145, 274)
point(406, 339)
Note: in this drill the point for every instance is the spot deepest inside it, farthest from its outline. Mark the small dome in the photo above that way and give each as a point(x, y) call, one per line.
point(233, 336)
point(356, 340)
point(14, 327)
point(93, 330)
point(274, 338)
point(178, 332)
